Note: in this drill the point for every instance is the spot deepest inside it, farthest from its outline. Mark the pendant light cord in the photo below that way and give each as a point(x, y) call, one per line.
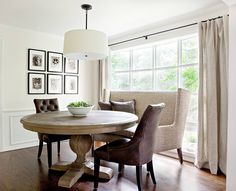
point(86, 22)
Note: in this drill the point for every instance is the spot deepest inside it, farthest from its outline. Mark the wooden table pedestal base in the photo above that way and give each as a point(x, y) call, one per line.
point(80, 144)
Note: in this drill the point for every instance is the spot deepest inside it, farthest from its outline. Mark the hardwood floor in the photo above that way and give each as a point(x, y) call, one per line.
point(21, 171)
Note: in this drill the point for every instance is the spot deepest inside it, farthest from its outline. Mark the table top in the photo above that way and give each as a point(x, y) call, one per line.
point(62, 122)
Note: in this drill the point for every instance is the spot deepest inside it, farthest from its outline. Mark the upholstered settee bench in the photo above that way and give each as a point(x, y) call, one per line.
point(169, 134)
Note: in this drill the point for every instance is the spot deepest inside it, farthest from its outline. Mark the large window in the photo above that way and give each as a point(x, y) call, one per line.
point(163, 66)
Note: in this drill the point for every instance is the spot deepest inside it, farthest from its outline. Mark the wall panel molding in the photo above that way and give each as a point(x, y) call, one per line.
point(16, 132)
point(18, 110)
point(14, 135)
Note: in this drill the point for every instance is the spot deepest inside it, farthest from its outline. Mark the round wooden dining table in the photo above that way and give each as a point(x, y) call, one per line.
point(81, 130)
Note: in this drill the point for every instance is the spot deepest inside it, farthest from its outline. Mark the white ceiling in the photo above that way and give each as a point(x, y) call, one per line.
point(110, 16)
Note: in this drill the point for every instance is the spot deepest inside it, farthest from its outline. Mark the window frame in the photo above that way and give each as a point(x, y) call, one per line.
point(155, 68)
point(179, 66)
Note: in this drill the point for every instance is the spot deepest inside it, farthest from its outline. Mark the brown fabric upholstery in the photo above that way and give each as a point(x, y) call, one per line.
point(46, 105)
point(104, 105)
point(140, 148)
point(126, 106)
point(42, 106)
point(137, 151)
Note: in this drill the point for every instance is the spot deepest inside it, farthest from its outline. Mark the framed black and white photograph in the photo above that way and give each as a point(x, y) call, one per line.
point(54, 84)
point(71, 84)
point(55, 62)
point(36, 60)
point(36, 83)
point(71, 66)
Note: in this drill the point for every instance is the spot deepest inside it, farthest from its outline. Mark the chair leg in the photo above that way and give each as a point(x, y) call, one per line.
point(139, 177)
point(49, 148)
point(40, 148)
point(120, 168)
point(96, 172)
point(92, 149)
point(179, 151)
point(58, 147)
point(150, 169)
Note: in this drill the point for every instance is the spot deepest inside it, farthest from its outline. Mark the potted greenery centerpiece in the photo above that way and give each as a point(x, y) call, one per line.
point(79, 108)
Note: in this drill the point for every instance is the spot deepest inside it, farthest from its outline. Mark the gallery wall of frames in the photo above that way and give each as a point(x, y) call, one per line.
point(50, 73)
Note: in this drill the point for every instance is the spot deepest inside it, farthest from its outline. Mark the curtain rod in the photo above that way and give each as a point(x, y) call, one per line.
point(164, 31)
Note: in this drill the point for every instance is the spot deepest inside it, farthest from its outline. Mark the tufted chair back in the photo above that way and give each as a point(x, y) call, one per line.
point(46, 105)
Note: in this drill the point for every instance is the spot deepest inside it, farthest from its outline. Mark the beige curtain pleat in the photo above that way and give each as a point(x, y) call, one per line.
point(104, 78)
point(213, 94)
point(224, 96)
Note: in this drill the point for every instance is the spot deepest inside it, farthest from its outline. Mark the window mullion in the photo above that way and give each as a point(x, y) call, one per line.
point(179, 62)
point(153, 67)
point(156, 66)
point(130, 70)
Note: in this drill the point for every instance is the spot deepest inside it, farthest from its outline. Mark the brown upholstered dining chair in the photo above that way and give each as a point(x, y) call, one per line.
point(137, 151)
point(42, 106)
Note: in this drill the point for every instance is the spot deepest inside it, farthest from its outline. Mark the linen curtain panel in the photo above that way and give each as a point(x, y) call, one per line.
point(213, 95)
point(104, 79)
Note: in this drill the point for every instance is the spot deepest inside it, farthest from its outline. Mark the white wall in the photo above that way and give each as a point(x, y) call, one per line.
point(231, 158)
point(1, 142)
point(14, 99)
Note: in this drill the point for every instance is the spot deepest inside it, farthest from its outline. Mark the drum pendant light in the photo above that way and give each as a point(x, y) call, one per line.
point(85, 44)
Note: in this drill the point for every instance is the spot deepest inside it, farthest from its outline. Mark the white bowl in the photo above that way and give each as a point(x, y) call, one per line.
point(80, 111)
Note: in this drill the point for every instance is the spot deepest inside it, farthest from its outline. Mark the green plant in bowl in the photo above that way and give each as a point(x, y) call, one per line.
point(79, 104)
point(79, 108)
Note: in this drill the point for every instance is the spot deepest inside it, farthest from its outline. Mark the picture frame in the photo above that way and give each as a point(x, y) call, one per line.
point(36, 60)
point(71, 66)
point(71, 84)
point(54, 83)
point(54, 62)
point(36, 83)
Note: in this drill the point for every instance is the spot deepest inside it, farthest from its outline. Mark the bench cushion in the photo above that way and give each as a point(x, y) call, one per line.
point(143, 99)
point(125, 106)
point(104, 105)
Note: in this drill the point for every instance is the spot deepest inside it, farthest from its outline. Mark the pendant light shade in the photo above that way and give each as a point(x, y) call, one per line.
point(85, 44)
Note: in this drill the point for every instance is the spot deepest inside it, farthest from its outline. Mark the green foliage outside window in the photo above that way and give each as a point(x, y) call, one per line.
point(142, 81)
point(167, 80)
point(120, 61)
point(190, 79)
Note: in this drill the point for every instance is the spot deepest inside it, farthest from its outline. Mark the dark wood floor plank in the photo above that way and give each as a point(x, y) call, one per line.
point(21, 171)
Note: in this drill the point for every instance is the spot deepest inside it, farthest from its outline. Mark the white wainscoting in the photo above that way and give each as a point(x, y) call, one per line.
point(13, 134)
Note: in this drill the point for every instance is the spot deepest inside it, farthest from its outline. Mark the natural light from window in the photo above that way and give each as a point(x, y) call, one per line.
point(163, 66)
